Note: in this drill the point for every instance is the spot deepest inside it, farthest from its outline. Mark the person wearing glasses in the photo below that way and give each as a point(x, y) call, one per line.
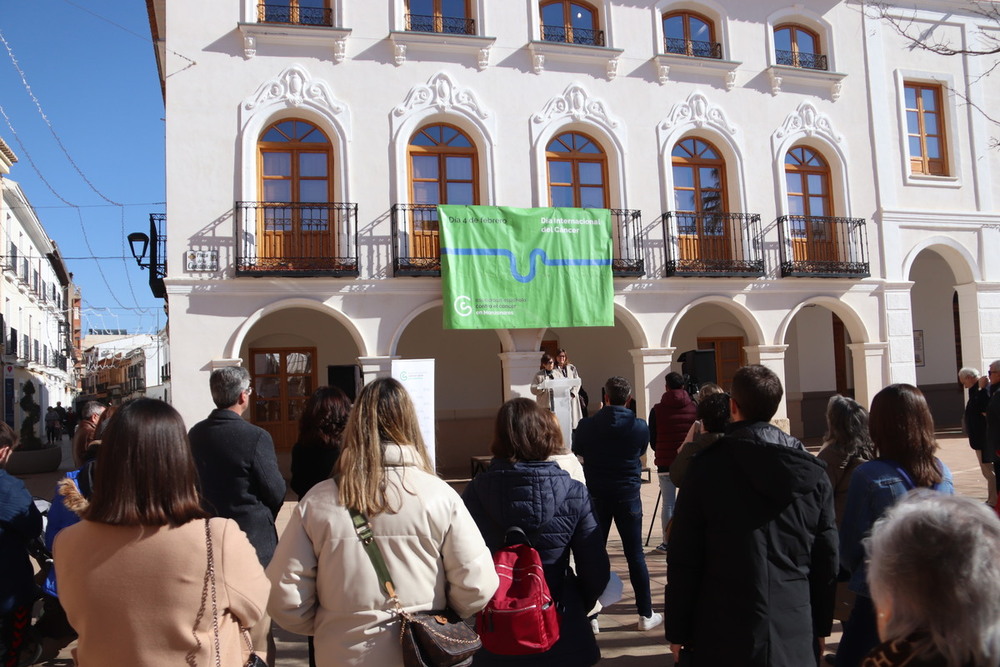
point(239, 474)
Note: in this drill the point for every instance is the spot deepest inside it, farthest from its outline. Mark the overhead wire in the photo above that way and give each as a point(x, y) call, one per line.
point(76, 166)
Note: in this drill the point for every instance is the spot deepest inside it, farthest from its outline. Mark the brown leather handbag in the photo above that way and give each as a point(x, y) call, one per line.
point(428, 638)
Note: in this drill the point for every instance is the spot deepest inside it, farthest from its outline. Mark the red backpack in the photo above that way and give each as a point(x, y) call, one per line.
point(521, 618)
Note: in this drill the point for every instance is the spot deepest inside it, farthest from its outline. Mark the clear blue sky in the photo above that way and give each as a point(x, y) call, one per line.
point(91, 66)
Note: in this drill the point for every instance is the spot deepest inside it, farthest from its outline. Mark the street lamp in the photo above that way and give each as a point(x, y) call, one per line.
point(138, 243)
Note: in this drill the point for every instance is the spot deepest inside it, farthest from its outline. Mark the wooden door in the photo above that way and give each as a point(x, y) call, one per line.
point(283, 380)
point(729, 357)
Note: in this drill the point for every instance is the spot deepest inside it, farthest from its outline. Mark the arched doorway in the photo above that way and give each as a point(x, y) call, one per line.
point(289, 353)
point(818, 364)
point(936, 336)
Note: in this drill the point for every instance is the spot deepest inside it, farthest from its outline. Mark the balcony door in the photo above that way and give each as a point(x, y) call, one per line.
point(443, 170)
point(729, 357)
point(577, 170)
point(810, 210)
point(293, 219)
point(699, 192)
point(283, 380)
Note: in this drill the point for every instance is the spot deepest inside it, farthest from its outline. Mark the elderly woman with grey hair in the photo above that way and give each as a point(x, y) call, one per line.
point(935, 583)
point(974, 421)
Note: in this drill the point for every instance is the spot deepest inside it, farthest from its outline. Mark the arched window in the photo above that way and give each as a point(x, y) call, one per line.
point(446, 16)
point(577, 172)
point(443, 170)
point(810, 209)
point(571, 23)
point(296, 187)
point(300, 12)
point(690, 34)
point(699, 173)
point(797, 46)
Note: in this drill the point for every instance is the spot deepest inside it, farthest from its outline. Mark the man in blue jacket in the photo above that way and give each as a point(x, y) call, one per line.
point(611, 443)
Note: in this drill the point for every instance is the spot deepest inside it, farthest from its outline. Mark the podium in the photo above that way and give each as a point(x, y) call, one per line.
point(564, 392)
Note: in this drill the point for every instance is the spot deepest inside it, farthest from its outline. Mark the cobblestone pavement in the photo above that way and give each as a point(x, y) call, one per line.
point(622, 645)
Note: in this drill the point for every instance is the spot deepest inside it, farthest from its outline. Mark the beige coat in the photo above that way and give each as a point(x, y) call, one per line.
point(323, 583)
point(133, 593)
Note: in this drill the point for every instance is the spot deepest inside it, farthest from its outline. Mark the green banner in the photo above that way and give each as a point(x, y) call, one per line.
point(520, 268)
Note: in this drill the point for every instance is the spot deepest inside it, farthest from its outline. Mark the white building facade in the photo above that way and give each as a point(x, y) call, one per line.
point(36, 294)
point(756, 158)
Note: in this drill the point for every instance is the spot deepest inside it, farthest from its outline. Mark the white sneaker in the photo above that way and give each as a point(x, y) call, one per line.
point(662, 548)
point(594, 626)
point(650, 622)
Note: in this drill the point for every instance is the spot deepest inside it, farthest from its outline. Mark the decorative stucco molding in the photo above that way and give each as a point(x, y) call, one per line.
point(700, 113)
point(295, 87)
point(443, 94)
point(809, 121)
point(575, 103)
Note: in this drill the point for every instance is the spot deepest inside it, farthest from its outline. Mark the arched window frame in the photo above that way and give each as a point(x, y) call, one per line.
point(441, 23)
point(596, 37)
point(576, 158)
point(443, 152)
point(691, 47)
point(816, 60)
point(295, 148)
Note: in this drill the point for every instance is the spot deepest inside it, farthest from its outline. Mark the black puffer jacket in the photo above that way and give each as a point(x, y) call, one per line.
point(752, 553)
point(555, 512)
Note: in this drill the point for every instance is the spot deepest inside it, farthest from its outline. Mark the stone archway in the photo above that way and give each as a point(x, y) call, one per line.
point(289, 353)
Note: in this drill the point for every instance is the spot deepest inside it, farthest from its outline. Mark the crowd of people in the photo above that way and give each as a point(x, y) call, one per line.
point(166, 552)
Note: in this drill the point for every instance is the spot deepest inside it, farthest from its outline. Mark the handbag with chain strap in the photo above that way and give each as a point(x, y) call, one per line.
point(254, 660)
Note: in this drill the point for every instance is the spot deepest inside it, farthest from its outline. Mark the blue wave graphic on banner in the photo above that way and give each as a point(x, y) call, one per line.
point(532, 260)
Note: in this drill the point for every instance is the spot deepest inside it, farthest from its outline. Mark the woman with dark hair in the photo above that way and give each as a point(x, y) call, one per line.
point(320, 429)
point(565, 370)
point(546, 371)
point(323, 581)
point(134, 574)
point(902, 431)
point(521, 488)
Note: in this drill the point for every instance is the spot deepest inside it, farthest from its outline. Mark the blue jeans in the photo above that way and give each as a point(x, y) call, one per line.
point(627, 515)
point(668, 494)
point(860, 633)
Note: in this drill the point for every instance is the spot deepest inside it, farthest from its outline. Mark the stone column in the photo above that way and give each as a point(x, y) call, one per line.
point(518, 369)
point(899, 332)
point(375, 367)
point(869, 370)
point(979, 317)
point(650, 367)
point(772, 356)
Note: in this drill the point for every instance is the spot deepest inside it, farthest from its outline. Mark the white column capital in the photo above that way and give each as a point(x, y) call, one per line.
point(376, 367)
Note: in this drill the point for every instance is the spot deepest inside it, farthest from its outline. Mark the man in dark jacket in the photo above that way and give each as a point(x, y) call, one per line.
point(239, 474)
point(669, 421)
point(611, 443)
point(974, 421)
point(753, 549)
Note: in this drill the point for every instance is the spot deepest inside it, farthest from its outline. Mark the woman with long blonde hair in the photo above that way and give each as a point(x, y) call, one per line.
point(323, 582)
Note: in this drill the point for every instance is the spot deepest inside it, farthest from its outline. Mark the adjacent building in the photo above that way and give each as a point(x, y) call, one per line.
point(40, 304)
point(790, 184)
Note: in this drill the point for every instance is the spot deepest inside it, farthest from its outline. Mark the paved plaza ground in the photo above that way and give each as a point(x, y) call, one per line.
point(622, 645)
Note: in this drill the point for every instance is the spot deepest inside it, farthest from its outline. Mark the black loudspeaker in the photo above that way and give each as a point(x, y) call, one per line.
point(699, 366)
point(346, 377)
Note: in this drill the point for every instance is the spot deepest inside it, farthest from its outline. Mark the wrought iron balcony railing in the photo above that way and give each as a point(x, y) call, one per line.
point(449, 25)
point(416, 250)
point(584, 36)
point(800, 59)
point(298, 240)
point(626, 227)
point(690, 47)
point(712, 244)
point(157, 254)
point(288, 13)
point(823, 247)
